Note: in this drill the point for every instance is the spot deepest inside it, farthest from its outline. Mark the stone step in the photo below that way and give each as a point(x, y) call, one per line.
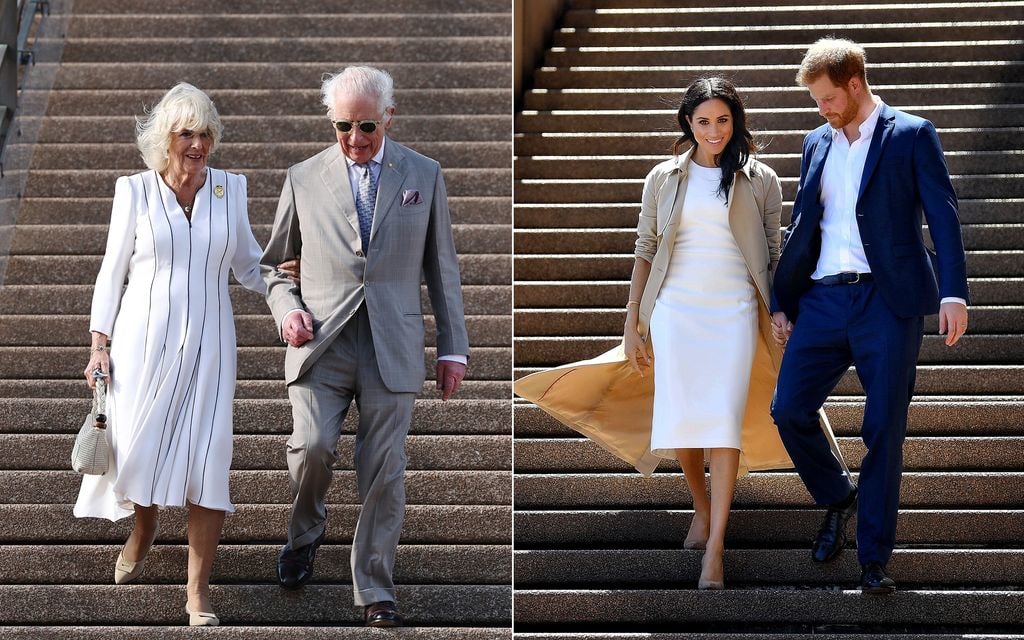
point(251, 330)
point(753, 75)
point(778, 489)
point(639, 609)
point(286, 75)
point(826, 632)
point(941, 380)
point(262, 183)
point(786, 16)
point(306, 101)
point(757, 96)
point(945, 417)
point(975, 349)
point(484, 209)
point(596, 294)
point(976, 237)
point(476, 269)
point(281, 129)
point(868, 31)
point(998, 264)
point(201, 7)
point(241, 157)
point(422, 605)
point(757, 527)
point(91, 240)
point(245, 389)
point(263, 487)
point(745, 568)
point(275, 50)
point(261, 452)
point(603, 322)
point(306, 23)
point(76, 299)
point(258, 524)
point(735, 54)
point(483, 419)
point(93, 564)
point(264, 363)
point(580, 455)
point(785, 164)
point(630, 190)
point(806, 118)
point(601, 215)
point(265, 632)
point(786, 140)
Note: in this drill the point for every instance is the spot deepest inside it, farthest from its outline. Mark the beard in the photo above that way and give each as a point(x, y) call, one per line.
point(840, 120)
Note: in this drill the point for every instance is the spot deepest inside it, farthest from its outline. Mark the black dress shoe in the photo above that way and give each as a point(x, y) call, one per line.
point(832, 536)
point(382, 614)
point(295, 566)
point(874, 580)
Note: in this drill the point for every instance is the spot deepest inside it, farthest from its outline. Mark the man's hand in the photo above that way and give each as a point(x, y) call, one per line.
point(952, 322)
point(297, 329)
point(782, 328)
point(449, 377)
point(292, 269)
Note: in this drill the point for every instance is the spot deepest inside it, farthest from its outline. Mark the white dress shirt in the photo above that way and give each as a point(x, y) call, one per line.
point(842, 249)
point(354, 174)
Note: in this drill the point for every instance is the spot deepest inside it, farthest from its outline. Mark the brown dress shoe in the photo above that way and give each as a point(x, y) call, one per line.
point(382, 614)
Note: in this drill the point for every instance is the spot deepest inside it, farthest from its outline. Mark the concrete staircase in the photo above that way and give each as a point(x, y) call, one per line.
point(261, 62)
point(599, 548)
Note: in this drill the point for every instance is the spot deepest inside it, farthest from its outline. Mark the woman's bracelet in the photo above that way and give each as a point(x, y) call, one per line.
point(99, 348)
point(632, 302)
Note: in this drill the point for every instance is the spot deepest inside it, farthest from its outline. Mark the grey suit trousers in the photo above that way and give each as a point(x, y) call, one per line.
point(320, 400)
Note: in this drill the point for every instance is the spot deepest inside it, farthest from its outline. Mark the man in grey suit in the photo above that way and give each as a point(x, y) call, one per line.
point(370, 220)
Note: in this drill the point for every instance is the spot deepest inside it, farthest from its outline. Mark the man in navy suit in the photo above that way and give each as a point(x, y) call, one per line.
point(853, 285)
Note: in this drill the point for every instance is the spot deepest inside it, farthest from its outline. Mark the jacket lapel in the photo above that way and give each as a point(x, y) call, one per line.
point(334, 173)
point(883, 131)
point(392, 177)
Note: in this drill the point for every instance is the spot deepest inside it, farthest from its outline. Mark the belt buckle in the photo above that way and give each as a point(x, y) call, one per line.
point(856, 279)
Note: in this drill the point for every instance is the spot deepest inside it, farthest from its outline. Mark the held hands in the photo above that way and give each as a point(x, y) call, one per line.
point(297, 328)
point(782, 328)
point(952, 322)
point(449, 377)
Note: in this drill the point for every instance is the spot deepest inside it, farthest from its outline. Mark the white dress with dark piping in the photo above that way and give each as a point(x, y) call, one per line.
point(173, 346)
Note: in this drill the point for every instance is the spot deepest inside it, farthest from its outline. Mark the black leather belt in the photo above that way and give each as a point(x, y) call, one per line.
point(844, 278)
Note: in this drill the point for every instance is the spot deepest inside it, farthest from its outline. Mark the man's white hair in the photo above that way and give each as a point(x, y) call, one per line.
point(183, 107)
point(359, 81)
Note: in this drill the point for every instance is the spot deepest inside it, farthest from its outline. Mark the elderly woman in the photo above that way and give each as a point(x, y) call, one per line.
point(175, 230)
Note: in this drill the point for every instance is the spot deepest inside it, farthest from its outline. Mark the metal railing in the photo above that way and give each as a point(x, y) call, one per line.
point(16, 18)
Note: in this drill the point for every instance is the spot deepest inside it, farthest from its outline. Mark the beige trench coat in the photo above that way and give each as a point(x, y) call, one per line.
point(606, 401)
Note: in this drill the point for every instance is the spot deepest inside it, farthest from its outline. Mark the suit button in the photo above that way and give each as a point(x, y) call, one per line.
point(366, 284)
point(359, 254)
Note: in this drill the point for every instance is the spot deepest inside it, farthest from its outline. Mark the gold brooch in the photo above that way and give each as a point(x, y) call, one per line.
point(218, 191)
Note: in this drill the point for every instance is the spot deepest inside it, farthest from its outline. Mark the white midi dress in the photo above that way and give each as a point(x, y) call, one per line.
point(703, 328)
point(173, 347)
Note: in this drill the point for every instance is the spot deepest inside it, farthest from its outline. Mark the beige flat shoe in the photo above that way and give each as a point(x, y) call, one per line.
point(125, 571)
point(201, 618)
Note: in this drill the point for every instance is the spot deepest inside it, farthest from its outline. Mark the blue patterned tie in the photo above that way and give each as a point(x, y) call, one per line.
point(365, 200)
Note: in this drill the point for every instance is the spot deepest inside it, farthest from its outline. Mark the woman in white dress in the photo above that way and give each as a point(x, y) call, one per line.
point(696, 223)
point(175, 231)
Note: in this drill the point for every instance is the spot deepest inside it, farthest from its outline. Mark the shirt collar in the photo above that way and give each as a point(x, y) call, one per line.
point(867, 128)
point(378, 157)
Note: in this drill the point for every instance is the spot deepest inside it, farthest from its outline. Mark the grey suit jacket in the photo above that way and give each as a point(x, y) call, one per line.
point(316, 218)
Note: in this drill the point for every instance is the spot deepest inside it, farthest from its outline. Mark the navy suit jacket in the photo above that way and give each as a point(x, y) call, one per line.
point(905, 175)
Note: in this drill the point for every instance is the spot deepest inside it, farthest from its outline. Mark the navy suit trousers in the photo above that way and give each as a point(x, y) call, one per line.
point(838, 326)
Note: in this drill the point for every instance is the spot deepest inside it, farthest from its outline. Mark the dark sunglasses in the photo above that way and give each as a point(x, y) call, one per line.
point(366, 126)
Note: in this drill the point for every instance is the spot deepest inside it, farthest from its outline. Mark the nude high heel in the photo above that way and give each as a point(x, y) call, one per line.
point(201, 618)
point(695, 539)
point(705, 584)
point(126, 571)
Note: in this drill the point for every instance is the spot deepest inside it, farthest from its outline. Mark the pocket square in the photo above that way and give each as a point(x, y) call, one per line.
point(411, 197)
